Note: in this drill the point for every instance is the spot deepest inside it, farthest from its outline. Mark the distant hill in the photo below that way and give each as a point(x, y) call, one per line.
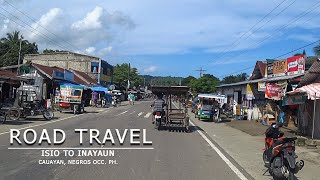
point(161, 80)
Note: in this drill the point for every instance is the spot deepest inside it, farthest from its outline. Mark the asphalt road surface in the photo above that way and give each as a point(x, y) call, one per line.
point(175, 155)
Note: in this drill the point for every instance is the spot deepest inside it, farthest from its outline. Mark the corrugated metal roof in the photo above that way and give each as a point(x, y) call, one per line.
point(312, 75)
point(312, 90)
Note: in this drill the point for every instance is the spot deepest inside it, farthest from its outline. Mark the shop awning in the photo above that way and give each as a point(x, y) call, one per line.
point(312, 90)
point(99, 88)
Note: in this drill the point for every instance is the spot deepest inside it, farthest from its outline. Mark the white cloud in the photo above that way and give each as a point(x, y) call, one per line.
point(90, 50)
point(150, 69)
point(91, 21)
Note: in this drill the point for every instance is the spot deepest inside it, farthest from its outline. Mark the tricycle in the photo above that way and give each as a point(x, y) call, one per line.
point(173, 116)
point(70, 98)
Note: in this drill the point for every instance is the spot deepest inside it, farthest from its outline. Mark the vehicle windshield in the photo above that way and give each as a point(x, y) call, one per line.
point(207, 107)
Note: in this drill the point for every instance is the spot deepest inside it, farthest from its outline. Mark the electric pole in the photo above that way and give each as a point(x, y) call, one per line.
point(18, 70)
point(201, 71)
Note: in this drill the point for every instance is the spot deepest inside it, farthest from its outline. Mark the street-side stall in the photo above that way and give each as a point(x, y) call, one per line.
point(69, 98)
point(308, 110)
point(102, 94)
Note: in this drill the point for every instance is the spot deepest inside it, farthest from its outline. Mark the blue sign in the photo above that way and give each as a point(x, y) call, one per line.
point(68, 75)
point(57, 74)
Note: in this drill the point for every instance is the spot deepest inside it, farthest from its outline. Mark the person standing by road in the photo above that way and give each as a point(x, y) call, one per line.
point(131, 99)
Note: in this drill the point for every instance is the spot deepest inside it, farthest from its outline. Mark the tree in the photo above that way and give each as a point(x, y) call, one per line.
point(120, 76)
point(234, 78)
point(9, 49)
point(206, 84)
point(317, 50)
point(188, 81)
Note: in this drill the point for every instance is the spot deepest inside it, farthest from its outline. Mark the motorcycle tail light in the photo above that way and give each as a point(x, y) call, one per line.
point(289, 148)
point(158, 113)
point(276, 150)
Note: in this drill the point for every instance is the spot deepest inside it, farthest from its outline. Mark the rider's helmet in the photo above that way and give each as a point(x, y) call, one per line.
point(275, 126)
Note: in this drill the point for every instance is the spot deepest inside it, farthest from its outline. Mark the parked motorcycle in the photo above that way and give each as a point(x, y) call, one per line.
point(37, 108)
point(279, 154)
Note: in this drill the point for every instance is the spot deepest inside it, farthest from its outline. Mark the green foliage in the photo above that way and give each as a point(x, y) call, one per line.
point(120, 76)
point(234, 78)
point(9, 49)
point(188, 81)
point(51, 51)
point(206, 84)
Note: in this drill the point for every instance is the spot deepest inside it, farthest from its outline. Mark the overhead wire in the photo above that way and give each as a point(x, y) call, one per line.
point(33, 20)
point(236, 42)
point(279, 30)
point(30, 27)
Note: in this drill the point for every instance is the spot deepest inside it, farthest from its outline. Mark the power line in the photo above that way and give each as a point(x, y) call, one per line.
point(238, 40)
point(32, 19)
point(34, 30)
point(279, 29)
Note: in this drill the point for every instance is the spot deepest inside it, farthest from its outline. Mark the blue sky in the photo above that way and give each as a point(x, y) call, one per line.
point(168, 37)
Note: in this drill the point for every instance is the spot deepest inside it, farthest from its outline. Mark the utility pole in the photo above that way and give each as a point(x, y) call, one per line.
point(201, 71)
point(128, 86)
point(18, 70)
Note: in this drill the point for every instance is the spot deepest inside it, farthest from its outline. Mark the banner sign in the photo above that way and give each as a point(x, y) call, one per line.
point(280, 68)
point(275, 91)
point(296, 65)
point(293, 100)
point(261, 86)
point(249, 92)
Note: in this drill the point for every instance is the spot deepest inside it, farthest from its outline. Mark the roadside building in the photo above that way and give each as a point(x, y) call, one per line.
point(96, 68)
point(44, 79)
point(307, 97)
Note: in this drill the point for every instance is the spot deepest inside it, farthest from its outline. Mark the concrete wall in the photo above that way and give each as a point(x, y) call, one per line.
point(64, 60)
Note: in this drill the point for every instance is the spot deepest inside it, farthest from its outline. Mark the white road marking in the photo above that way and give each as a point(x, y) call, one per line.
point(122, 113)
point(140, 114)
point(147, 115)
point(132, 112)
point(222, 156)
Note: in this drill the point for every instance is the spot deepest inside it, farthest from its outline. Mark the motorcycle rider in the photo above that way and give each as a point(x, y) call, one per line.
point(158, 106)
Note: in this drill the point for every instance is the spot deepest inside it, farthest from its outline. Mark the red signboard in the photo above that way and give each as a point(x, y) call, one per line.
point(296, 65)
point(275, 91)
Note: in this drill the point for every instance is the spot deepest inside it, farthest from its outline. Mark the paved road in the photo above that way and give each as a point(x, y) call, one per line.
point(176, 155)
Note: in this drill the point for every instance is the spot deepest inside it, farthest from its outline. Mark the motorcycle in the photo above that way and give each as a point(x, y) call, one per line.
point(159, 119)
point(37, 108)
point(279, 156)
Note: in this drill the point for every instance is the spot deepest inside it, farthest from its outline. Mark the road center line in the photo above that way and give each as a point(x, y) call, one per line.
point(132, 112)
point(147, 115)
point(122, 113)
point(140, 114)
point(222, 156)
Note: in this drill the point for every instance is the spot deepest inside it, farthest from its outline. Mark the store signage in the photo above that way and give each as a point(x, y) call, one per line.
point(280, 68)
point(261, 86)
point(68, 75)
point(270, 67)
point(296, 65)
point(57, 75)
point(275, 91)
point(293, 100)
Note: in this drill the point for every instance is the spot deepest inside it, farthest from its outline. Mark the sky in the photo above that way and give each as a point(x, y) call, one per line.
point(168, 38)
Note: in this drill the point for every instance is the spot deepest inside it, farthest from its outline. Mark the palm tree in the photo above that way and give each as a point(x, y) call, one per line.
point(12, 38)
